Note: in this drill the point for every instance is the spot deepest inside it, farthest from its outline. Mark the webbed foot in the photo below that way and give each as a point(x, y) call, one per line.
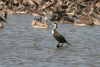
point(58, 46)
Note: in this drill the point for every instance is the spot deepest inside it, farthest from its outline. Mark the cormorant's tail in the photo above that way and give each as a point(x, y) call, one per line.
point(68, 43)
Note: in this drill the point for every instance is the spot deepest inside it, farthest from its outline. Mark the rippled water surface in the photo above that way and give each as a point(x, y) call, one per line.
point(23, 46)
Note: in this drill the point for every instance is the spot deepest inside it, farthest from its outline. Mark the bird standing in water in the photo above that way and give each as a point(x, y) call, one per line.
point(58, 36)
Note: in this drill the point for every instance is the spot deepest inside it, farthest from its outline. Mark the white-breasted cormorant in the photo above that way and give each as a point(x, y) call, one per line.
point(58, 36)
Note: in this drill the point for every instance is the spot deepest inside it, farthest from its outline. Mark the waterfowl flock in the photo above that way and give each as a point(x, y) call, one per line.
point(77, 12)
point(64, 11)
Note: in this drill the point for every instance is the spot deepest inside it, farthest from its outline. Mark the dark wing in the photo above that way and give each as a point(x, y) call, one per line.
point(59, 37)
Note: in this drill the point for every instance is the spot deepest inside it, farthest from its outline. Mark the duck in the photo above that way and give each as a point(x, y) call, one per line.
point(38, 24)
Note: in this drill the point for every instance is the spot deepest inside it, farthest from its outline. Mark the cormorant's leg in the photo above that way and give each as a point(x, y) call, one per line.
point(58, 45)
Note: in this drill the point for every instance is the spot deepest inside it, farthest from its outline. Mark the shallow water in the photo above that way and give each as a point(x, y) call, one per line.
point(23, 46)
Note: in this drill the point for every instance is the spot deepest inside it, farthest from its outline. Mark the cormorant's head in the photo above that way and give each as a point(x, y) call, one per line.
point(54, 29)
point(55, 24)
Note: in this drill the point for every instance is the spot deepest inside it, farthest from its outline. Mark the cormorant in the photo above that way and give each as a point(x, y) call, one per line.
point(58, 36)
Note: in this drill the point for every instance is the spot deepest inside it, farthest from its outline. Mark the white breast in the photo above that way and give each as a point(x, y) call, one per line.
point(52, 32)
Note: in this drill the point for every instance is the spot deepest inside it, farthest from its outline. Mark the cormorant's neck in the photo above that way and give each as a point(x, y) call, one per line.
point(54, 29)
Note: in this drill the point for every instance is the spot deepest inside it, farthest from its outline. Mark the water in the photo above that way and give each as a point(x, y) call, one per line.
point(23, 46)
